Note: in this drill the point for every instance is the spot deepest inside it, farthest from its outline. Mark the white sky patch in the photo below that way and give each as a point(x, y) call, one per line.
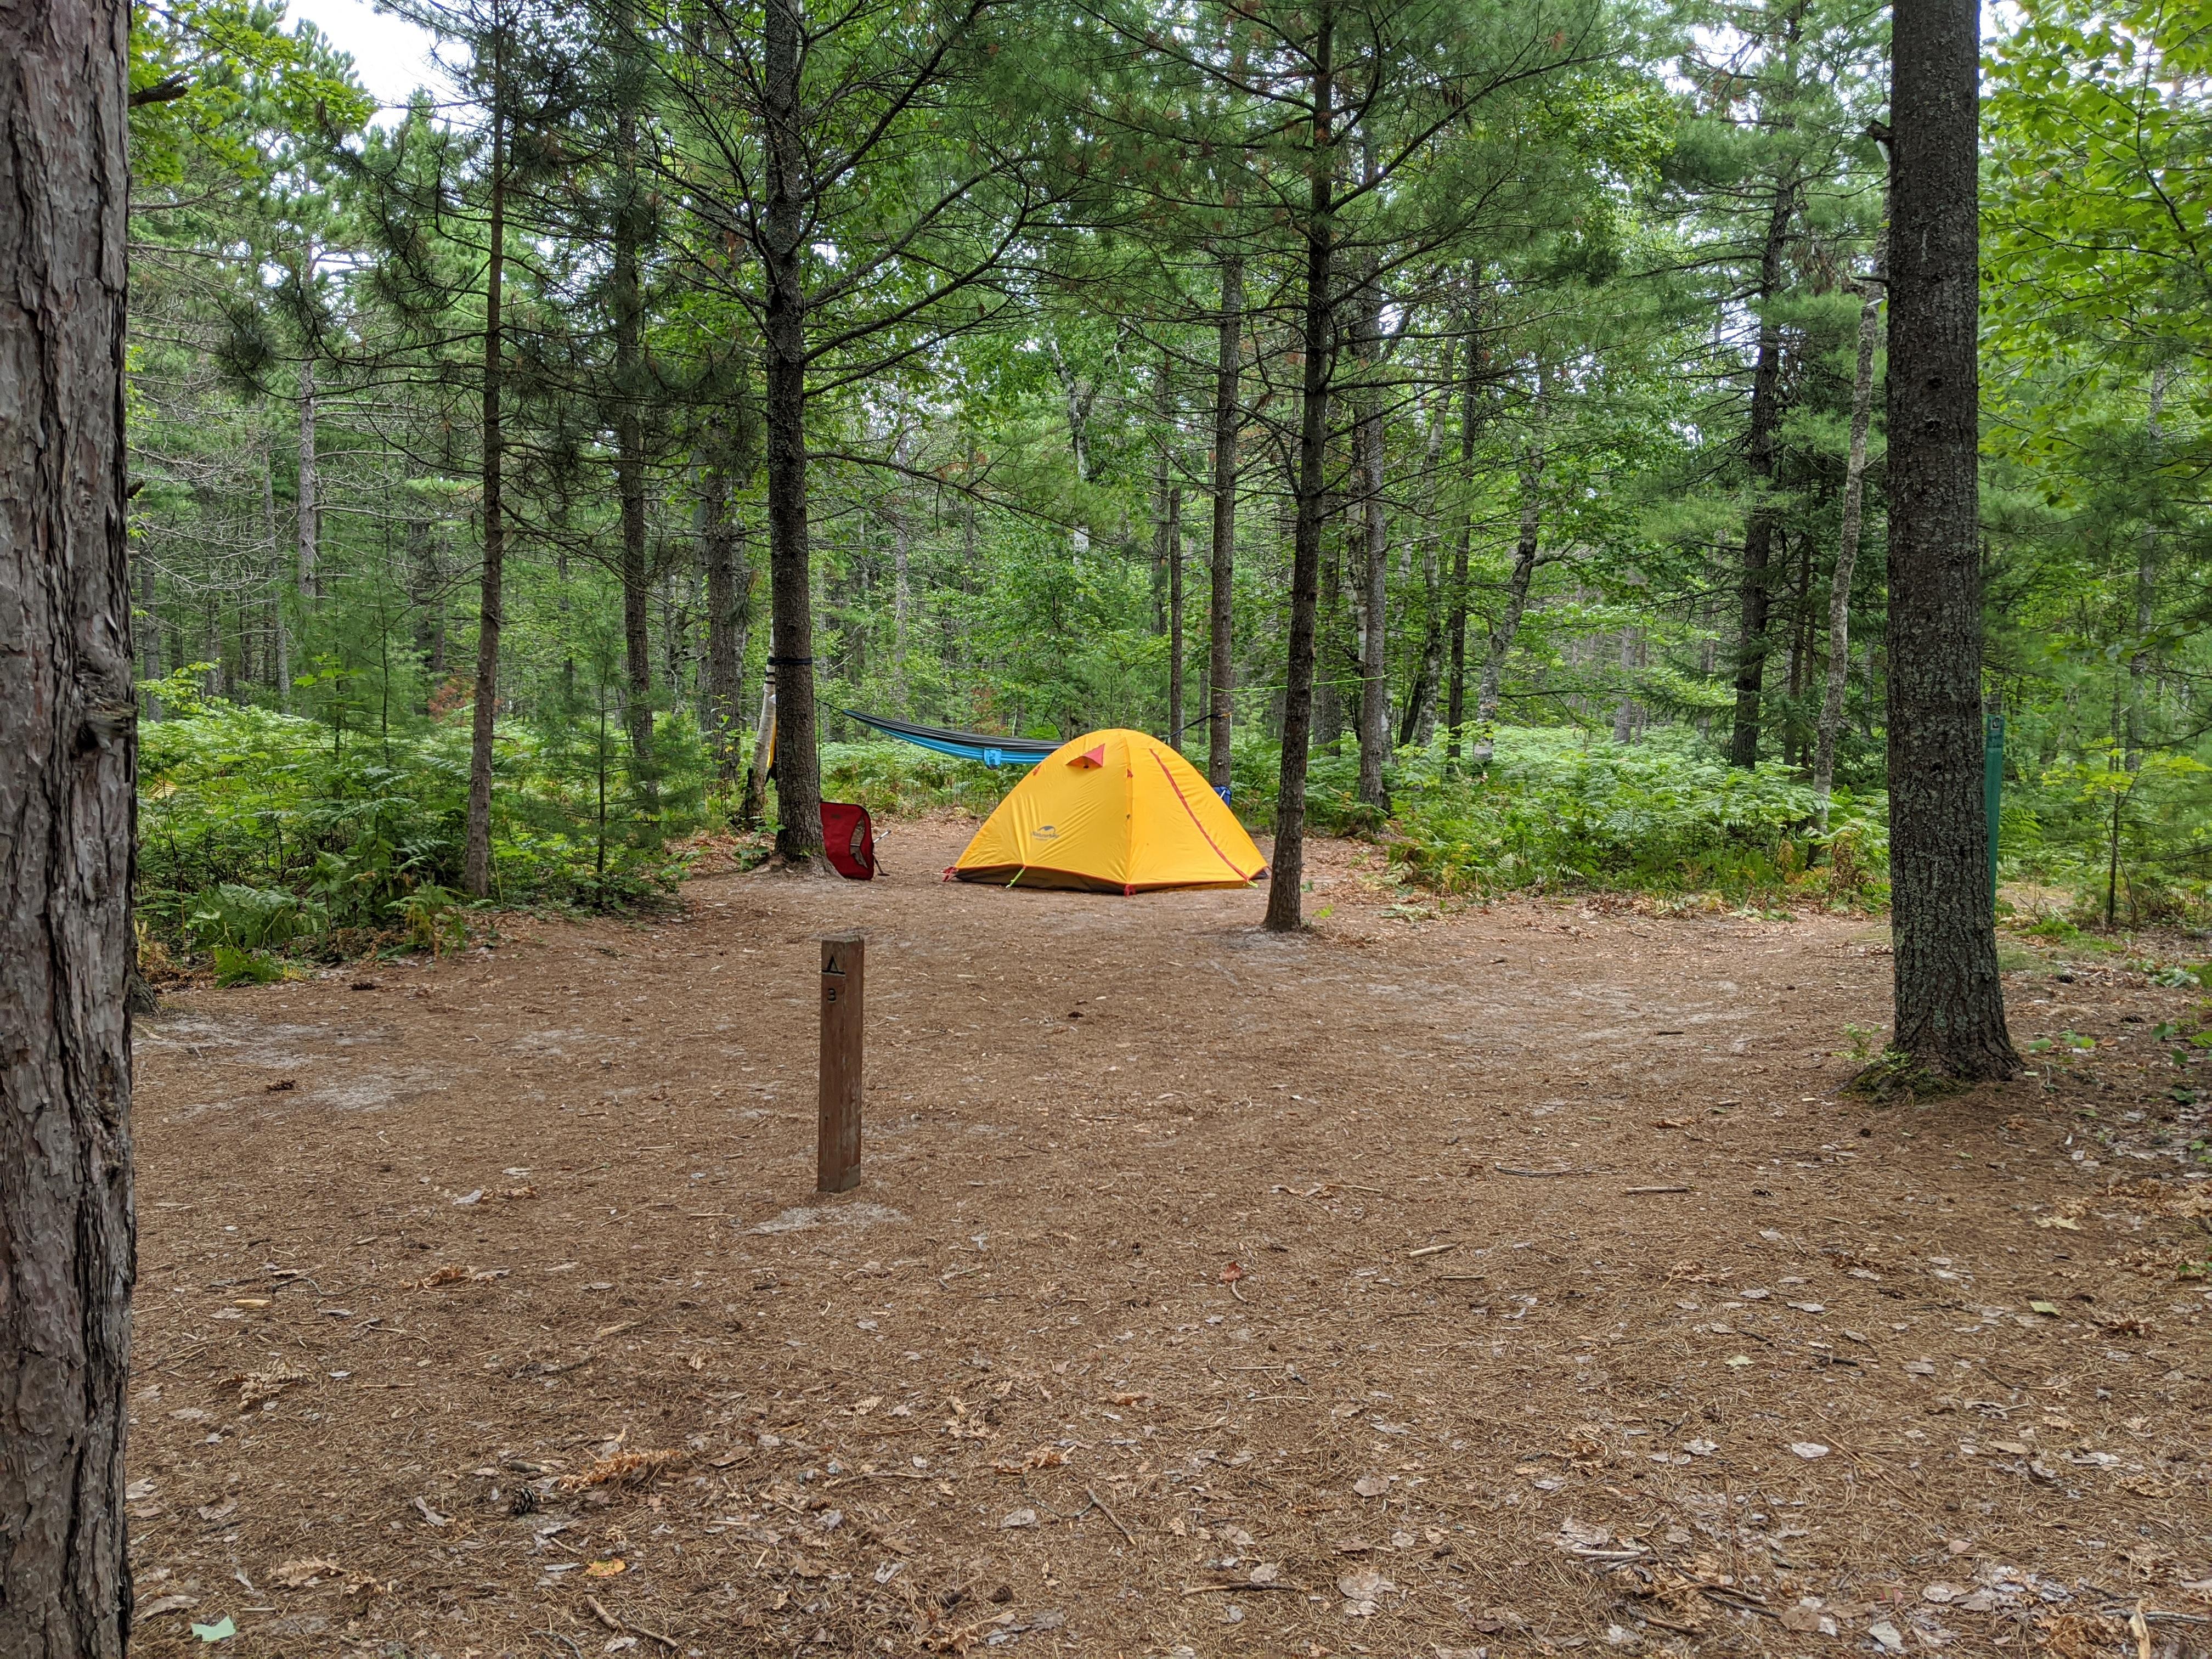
point(392, 56)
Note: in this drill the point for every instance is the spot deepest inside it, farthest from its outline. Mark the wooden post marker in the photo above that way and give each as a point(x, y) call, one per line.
point(844, 960)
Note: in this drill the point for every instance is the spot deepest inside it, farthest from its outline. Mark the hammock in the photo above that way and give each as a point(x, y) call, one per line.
point(967, 745)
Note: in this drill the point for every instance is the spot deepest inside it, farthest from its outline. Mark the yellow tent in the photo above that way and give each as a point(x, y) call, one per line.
point(1115, 812)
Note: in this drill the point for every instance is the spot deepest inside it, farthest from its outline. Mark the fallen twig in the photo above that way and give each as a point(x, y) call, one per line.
point(1096, 1503)
point(1729, 1597)
point(622, 1629)
point(2125, 1610)
point(1538, 1174)
point(1246, 1584)
point(1642, 1617)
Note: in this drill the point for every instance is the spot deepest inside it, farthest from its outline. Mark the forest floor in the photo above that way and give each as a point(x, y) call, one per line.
point(1513, 1280)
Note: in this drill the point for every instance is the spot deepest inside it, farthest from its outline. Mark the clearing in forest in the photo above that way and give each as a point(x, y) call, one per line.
point(1510, 1280)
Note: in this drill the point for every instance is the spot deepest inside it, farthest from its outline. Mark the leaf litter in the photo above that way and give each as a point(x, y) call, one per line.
point(1178, 1424)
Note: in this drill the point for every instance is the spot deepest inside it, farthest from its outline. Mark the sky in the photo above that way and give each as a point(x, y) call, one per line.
point(392, 57)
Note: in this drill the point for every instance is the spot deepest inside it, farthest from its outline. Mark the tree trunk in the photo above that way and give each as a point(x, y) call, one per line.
point(725, 651)
point(1221, 614)
point(798, 759)
point(755, 801)
point(1847, 544)
point(1478, 365)
point(1624, 711)
point(1801, 652)
point(1950, 1002)
point(1175, 616)
point(1374, 543)
point(1163, 419)
point(902, 597)
point(1419, 726)
point(149, 630)
point(477, 870)
point(2146, 581)
point(275, 545)
point(310, 511)
point(1286, 883)
point(1329, 705)
point(629, 307)
point(1525, 554)
point(1758, 530)
point(434, 583)
point(68, 765)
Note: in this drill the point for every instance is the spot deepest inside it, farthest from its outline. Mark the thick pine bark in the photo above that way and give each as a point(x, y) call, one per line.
point(798, 759)
point(1847, 544)
point(1758, 530)
point(1286, 881)
point(68, 760)
point(1221, 614)
point(492, 604)
point(1950, 1003)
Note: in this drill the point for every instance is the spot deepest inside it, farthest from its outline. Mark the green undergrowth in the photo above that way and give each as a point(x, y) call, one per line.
point(2092, 847)
point(902, 779)
point(265, 836)
point(1554, 811)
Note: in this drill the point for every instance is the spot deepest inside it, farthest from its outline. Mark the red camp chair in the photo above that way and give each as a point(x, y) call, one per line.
point(849, 840)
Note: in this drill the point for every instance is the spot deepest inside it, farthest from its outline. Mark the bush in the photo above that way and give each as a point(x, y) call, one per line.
point(2064, 825)
point(262, 831)
point(1554, 811)
point(235, 967)
point(250, 918)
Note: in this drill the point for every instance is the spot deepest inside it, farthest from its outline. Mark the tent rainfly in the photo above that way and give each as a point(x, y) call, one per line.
point(1113, 812)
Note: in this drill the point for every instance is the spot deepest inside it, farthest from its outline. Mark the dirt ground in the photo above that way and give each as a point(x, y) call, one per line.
point(1511, 1281)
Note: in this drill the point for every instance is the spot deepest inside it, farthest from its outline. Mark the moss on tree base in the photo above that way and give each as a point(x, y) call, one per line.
point(1901, 1076)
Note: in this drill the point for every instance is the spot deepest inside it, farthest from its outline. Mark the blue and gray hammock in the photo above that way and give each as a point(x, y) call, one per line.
point(965, 745)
